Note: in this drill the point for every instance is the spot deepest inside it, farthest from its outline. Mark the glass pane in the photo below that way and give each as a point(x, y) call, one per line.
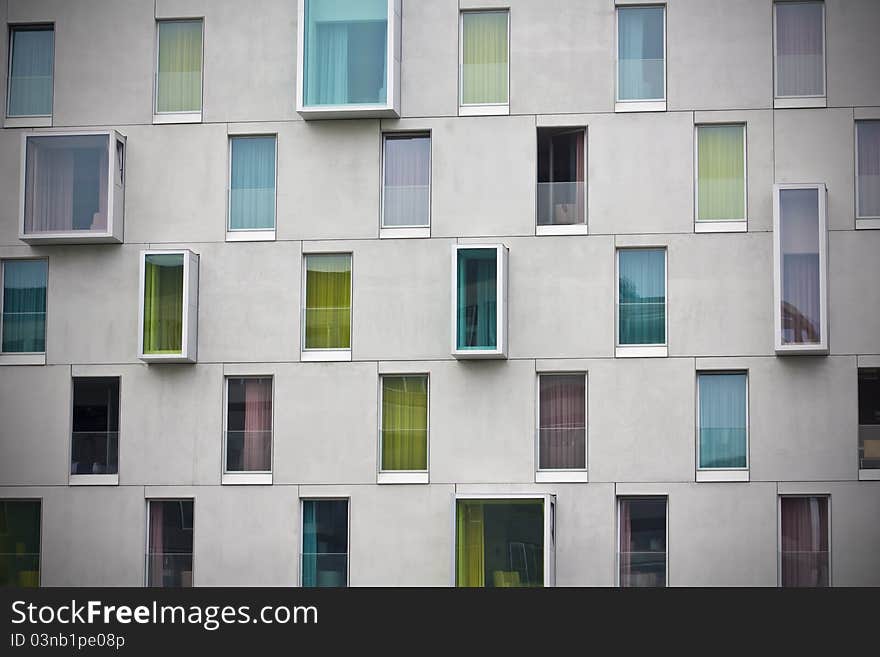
point(804, 533)
point(642, 296)
point(640, 65)
point(405, 422)
point(484, 57)
point(163, 304)
point(30, 72)
point(799, 238)
point(20, 543)
point(499, 543)
point(345, 52)
point(24, 306)
point(561, 176)
point(179, 85)
point(642, 556)
point(721, 184)
point(252, 183)
point(249, 425)
point(95, 425)
point(869, 418)
point(868, 145)
point(477, 299)
point(66, 184)
point(563, 423)
point(800, 49)
point(170, 546)
point(324, 555)
point(328, 301)
point(722, 420)
point(406, 199)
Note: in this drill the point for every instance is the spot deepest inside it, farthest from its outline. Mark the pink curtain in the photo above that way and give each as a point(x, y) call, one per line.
point(155, 555)
point(562, 421)
point(257, 425)
point(804, 541)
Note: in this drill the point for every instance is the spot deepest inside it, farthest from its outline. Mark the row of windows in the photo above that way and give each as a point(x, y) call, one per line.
point(500, 541)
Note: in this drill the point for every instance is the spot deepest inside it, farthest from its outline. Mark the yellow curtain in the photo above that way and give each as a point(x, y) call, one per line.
point(163, 304)
point(721, 173)
point(405, 423)
point(484, 58)
point(328, 301)
point(470, 547)
point(179, 87)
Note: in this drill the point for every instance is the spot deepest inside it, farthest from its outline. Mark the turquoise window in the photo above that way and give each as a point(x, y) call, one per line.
point(722, 420)
point(325, 543)
point(477, 299)
point(32, 53)
point(641, 310)
point(641, 67)
point(24, 306)
point(252, 183)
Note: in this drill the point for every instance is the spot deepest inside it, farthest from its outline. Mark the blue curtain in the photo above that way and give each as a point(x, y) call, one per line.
point(24, 306)
point(642, 296)
point(477, 299)
point(640, 53)
point(252, 183)
point(30, 80)
point(722, 420)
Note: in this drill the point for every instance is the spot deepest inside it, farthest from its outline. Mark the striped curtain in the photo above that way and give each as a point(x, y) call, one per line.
point(405, 423)
point(868, 138)
point(406, 199)
point(24, 306)
point(484, 58)
point(470, 568)
point(804, 558)
point(163, 304)
point(562, 421)
point(642, 297)
point(800, 49)
point(179, 87)
point(30, 72)
point(328, 301)
point(721, 181)
point(252, 183)
point(722, 420)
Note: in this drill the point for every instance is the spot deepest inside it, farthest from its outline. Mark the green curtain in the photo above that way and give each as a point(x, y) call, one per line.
point(24, 306)
point(328, 301)
point(477, 299)
point(722, 420)
point(20, 543)
point(405, 423)
point(163, 304)
point(469, 544)
point(179, 88)
point(721, 181)
point(484, 57)
point(642, 297)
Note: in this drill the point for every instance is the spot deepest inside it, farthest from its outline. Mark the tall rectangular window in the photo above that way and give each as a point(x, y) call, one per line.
point(803, 541)
point(95, 439)
point(20, 543)
point(799, 38)
point(479, 291)
point(169, 306)
point(248, 428)
point(641, 555)
point(721, 176)
point(324, 558)
point(252, 187)
point(406, 189)
point(722, 416)
point(170, 543)
point(484, 62)
point(179, 68)
point(868, 173)
point(641, 301)
point(404, 435)
point(327, 309)
point(641, 58)
point(562, 427)
point(869, 423)
point(562, 173)
point(31, 66)
point(24, 306)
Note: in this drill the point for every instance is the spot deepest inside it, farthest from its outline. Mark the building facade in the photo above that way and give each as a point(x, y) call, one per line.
point(438, 292)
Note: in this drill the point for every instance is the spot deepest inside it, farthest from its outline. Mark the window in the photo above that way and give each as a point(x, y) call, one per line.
point(20, 543)
point(562, 428)
point(562, 190)
point(248, 444)
point(324, 555)
point(179, 72)
point(641, 58)
point(722, 426)
point(95, 435)
point(73, 187)
point(867, 174)
point(31, 65)
point(327, 309)
point(350, 54)
point(406, 190)
point(641, 302)
point(641, 555)
point(803, 541)
point(251, 188)
point(869, 423)
point(169, 306)
point(799, 39)
point(504, 542)
point(799, 240)
point(479, 301)
point(721, 178)
point(404, 429)
point(484, 75)
point(23, 323)
point(170, 543)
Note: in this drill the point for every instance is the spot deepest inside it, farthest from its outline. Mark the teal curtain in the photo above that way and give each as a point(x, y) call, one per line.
point(642, 297)
point(252, 183)
point(24, 306)
point(722, 420)
point(325, 543)
point(310, 545)
point(30, 73)
point(477, 299)
point(640, 63)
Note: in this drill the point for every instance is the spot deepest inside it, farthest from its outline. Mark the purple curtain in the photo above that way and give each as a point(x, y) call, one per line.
point(156, 545)
point(563, 421)
point(868, 135)
point(804, 543)
point(800, 49)
point(407, 180)
point(800, 298)
point(257, 425)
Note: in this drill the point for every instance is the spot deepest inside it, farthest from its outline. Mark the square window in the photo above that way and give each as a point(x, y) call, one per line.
point(404, 434)
point(406, 189)
point(799, 42)
point(179, 71)
point(641, 58)
point(562, 427)
point(95, 431)
point(867, 174)
point(327, 307)
point(479, 301)
point(169, 306)
point(869, 423)
point(251, 187)
point(721, 178)
point(562, 187)
point(641, 302)
point(641, 555)
point(722, 426)
point(324, 558)
point(484, 74)
point(170, 543)
point(23, 322)
point(248, 444)
point(804, 546)
point(20, 543)
point(31, 66)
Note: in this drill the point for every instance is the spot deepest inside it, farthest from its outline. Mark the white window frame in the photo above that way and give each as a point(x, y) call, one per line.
point(404, 476)
point(169, 498)
point(567, 229)
point(501, 328)
point(237, 477)
point(641, 350)
point(177, 117)
point(863, 222)
point(302, 533)
point(561, 475)
point(115, 192)
point(550, 532)
point(249, 234)
point(30, 120)
point(481, 109)
point(721, 474)
point(820, 347)
point(648, 105)
point(95, 479)
point(391, 107)
point(779, 497)
point(189, 337)
point(414, 230)
point(618, 499)
point(783, 102)
point(325, 355)
point(30, 357)
point(721, 225)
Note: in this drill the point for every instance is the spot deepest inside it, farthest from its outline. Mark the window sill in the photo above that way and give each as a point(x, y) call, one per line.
point(650, 351)
point(802, 350)
point(250, 235)
point(869, 474)
point(402, 478)
point(405, 232)
point(246, 478)
point(93, 480)
point(720, 226)
point(27, 122)
point(177, 117)
point(722, 475)
point(563, 229)
point(484, 110)
point(640, 106)
point(799, 102)
point(561, 477)
point(325, 355)
point(22, 359)
point(166, 358)
point(374, 111)
point(868, 224)
point(478, 354)
point(74, 237)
